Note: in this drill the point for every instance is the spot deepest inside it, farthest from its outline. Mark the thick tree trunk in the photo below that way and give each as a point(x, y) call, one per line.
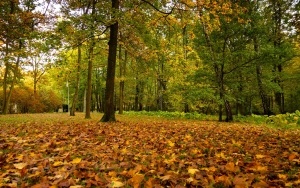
point(109, 112)
point(75, 97)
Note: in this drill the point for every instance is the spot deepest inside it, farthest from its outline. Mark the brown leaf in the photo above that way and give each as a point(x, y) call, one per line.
point(225, 180)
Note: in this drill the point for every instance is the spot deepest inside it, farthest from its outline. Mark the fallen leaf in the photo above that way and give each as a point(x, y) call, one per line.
point(170, 143)
point(149, 183)
point(76, 161)
point(230, 167)
point(225, 180)
point(58, 163)
point(20, 166)
point(136, 180)
point(165, 178)
point(260, 184)
point(259, 156)
point(292, 156)
point(116, 184)
point(192, 171)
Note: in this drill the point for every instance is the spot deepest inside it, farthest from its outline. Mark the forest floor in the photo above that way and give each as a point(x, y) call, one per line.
point(56, 150)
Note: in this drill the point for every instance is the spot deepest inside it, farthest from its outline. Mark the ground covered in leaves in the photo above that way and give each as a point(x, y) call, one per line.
point(55, 150)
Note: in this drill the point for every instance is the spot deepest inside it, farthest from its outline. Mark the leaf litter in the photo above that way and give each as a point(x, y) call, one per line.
point(147, 153)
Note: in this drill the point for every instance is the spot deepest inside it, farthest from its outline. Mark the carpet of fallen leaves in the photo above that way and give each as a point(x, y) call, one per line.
point(55, 150)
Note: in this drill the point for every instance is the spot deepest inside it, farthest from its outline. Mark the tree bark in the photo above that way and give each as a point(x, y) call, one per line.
point(7, 96)
point(109, 112)
point(90, 67)
point(122, 82)
point(75, 97)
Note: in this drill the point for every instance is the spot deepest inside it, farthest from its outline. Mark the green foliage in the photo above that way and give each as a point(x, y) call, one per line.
point(173, 115)
point(288, 120)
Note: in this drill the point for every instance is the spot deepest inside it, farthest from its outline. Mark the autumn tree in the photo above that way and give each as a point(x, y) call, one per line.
point(18, 20)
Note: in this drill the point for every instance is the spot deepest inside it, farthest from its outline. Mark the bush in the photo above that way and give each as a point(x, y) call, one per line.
point(23, 100)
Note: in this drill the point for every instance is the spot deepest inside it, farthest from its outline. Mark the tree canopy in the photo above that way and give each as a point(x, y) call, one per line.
point(221, 57)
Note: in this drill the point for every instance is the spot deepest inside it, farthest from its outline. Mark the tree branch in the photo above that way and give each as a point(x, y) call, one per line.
point(157, 9)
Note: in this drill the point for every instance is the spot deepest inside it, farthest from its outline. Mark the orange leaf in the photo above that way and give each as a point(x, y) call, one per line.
point(149, 183)
point(260, 184)
point(292, 156)
point(136, 180)
point(230, 167)
point(225, 180)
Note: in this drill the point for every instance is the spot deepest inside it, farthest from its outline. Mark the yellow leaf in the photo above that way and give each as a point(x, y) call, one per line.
point(259, 156)
point(116, 184)
point(20, 166)
point(238, 144)
point(112, 174)
point(188, 137)
point(58, 163)
point(76, 161)
point(282, 176)
point(192, 171)
point(221, 155)
point(170, 143)
point(76, 186)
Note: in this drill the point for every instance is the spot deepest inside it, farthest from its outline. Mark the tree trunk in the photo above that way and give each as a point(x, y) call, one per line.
point(229, 116)
point(90, 68)
point(5, 102)
point(7, 96)
point(262, 93)
point(137, 95)
point(122, 82)
point(75, 97)
point(109, 112)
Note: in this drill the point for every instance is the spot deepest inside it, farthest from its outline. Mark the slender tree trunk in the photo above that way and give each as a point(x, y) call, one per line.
point(89, 83)
point(137, 95)
point(90, 67)
point(262, 93)
point(7, 96)
point(122, 82)
point(5, 106)
point(277, 32)
point(109, 112)
point(75, 97)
